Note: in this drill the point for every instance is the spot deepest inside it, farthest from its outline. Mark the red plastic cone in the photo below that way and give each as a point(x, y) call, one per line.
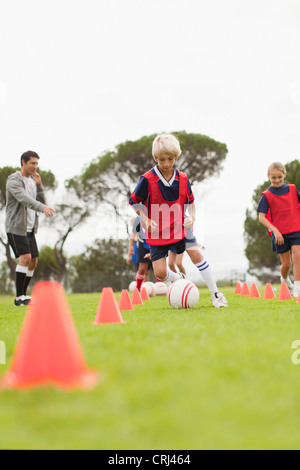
point(48, 350)
point(238, 288)
point(136, 297)
point(245, 289)
point(108, 309)
point(144, 294)
point(254, 292)
point(269, 293)
point(125, 302)
point(284, 293)
point(298, 299)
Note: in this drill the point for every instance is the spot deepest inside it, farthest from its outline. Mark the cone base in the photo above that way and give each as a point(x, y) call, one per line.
point(104, 322)
point(86, 381)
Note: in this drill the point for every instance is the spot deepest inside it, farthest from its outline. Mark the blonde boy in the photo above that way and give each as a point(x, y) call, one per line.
point(162, 198)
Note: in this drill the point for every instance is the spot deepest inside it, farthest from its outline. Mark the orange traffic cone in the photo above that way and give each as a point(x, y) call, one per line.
point(284, 293)
point(269, 293)
point(136, 297)
point(245, 289)
point(238, 288)
point(108, 310)
point(144, 294)
point(48, 350)
point(298, 299)
point(125, 302)
point(254, 292)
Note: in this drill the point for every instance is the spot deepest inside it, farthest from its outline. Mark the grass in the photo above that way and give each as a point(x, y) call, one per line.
point(198, 379)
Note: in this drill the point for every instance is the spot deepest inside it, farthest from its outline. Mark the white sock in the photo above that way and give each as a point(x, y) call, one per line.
point(297, 284)
point(171, 276)
point(207, 276)
point(21, 269)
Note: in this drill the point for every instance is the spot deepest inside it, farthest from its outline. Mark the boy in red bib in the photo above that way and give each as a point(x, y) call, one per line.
point(279, 211)
point(162, 198)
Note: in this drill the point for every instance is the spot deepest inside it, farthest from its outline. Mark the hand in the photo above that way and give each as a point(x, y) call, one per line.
point(151, 225)
point(48, 211)
point(278, 237)
point(37, 179)
point(188, 222)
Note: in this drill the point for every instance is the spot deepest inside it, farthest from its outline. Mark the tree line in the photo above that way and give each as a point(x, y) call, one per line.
point(105, 183)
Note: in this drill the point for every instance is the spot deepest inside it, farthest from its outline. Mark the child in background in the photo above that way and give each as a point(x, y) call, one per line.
point(161, 199)
point(279, 212)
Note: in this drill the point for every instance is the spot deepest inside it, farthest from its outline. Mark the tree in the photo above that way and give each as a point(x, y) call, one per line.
point(67, 218)
point(111, 177)
point(263, 262)
point(101, 265)
point(49, 182)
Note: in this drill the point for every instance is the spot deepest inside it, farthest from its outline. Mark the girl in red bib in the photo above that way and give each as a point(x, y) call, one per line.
point(279, 211)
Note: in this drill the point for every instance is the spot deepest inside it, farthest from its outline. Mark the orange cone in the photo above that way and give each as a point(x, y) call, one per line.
point(245, 289)
point(284, 293)
point(254, 292)
point(298, 299)
point(136, 297)
point(48, 349)
point(238, 288)
point(144, 294)
point(108, 309)
point(269, 293)
point(125, 302)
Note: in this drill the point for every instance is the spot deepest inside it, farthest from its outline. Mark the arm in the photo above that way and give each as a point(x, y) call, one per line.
point(263, 220)
point(130, 249)
point(40, 195)
point(17, 190)
point(189, 221)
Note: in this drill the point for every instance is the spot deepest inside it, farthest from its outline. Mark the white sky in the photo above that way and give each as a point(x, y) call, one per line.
point(79, 77)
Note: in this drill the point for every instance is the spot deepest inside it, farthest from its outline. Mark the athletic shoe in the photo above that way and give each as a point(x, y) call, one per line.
point(20, 302)
point(296, 292)
point(218, 299)
point(289, 284)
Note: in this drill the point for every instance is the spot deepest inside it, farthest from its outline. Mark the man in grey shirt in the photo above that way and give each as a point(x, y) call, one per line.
point(24, 200)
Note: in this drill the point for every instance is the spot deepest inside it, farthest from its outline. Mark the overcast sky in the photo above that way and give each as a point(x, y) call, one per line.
point(79, 77)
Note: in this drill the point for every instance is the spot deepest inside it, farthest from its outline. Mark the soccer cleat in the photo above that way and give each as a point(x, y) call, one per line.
point(21, 301)
point(289, 284)
point(295, 292)
point(218, 299)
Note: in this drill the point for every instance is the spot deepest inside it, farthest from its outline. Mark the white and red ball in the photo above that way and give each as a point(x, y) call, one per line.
point(132, 286)
point(160, 288)
point(150, 288)
point(183, 294)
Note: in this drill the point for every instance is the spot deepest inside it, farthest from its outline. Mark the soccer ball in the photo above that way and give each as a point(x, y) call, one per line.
point(149, 288)
point(183, 294)
point(132, 286)
point(160, 288)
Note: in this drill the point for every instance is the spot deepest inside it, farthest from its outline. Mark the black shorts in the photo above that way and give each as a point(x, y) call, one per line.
point(23, 245)
point(142, 252)
point(161, 251)
point(290, 239)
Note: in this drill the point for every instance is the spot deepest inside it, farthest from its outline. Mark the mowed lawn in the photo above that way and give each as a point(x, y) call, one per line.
point(204, 378)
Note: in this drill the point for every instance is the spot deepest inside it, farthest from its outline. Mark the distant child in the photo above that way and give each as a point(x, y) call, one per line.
point(161, 198)
point(144, 263)
point(279, 211)
point(132, 255)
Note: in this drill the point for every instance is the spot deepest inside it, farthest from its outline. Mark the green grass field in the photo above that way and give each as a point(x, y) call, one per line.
point(198, 379)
